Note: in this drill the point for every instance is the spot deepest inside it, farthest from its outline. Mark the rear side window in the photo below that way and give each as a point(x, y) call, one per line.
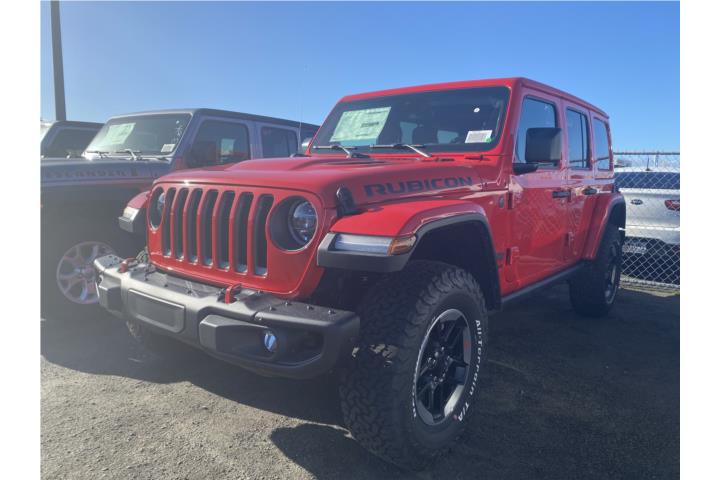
point(601, 144)
point(278, 142)
point(648, 180)
point(220, 142)
point(535, 114)
point(577, 136)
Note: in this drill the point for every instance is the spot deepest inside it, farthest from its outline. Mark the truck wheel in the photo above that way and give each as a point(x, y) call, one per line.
point(410, 384)
point(593, 290)
point(68, 277)
point(68, 251)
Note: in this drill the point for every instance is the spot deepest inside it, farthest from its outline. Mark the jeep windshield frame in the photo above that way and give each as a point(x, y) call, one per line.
point(151, 135)
point(441, 121)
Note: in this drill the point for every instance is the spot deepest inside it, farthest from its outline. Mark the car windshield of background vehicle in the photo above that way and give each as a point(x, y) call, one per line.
point(648, 180)
point(68, 141)
point(154, 135)
point(459, 120)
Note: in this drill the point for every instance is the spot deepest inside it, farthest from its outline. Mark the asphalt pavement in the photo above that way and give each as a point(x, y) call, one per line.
point(561, 397)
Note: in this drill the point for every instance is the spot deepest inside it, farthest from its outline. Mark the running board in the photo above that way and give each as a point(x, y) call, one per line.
point(544, 283)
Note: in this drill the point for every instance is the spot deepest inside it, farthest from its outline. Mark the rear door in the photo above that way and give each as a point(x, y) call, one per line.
point(581, 180)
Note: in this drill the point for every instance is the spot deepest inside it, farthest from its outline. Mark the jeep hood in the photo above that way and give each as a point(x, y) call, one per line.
point(79, 171)
point(371, 180)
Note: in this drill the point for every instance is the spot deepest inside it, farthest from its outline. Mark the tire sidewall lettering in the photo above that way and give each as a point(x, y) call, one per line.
point(461, 415)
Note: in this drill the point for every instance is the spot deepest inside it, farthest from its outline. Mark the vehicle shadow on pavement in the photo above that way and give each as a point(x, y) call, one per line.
point(331, 453)
point(561, 396)
point(102, 346)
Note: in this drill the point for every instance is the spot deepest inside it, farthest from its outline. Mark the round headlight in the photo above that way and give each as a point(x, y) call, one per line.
point(157, 205)
point(160, 204)
point(302, 222)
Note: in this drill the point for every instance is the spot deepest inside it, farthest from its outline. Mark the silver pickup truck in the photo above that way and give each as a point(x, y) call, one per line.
point(652, 245)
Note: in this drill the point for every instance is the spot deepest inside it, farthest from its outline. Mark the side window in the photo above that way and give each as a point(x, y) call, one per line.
point(68, 141)
point(219, 142)
point(278, 142)
point(577, 136)
point(601, 144)
point(535, 114)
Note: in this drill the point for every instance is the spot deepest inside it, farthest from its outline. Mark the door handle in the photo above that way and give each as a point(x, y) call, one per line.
point(561, 193)
point(590, 191)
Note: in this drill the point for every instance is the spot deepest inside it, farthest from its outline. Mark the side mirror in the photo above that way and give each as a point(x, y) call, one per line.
point(543, 145)
point(304, 145)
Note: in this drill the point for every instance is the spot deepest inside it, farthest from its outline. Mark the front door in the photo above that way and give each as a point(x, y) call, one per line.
point(539, 203)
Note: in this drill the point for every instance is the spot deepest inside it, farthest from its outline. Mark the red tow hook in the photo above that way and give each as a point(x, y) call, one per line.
point(127, 263)
point(230, 292)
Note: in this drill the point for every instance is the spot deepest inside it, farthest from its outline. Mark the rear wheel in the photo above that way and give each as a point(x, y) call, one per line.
point(410, 385)
point(594, 289)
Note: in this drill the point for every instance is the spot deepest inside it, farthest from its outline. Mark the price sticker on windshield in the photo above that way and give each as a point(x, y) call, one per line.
point(356, 125)
point(117, 134)
point(479, 136)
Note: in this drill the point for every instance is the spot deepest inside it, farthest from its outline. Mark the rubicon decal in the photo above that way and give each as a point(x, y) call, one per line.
point(410, 186)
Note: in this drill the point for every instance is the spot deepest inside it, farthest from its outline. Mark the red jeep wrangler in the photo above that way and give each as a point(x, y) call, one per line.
point(414, 213)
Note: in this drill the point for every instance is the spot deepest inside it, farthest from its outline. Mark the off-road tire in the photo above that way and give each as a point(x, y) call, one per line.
point(588, 288)
point(377, 388)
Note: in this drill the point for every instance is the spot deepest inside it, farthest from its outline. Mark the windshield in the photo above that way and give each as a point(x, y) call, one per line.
point(143, 134)
point(460, 120)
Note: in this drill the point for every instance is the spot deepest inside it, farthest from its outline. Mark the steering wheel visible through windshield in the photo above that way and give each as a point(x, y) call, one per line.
point(154, 135)
point(466, 119)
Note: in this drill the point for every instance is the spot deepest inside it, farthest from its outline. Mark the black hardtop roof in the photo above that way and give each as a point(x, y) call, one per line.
point(223, 113)
point(75, 123)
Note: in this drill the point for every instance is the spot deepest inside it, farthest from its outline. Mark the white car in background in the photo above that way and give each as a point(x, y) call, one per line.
point(652, 197)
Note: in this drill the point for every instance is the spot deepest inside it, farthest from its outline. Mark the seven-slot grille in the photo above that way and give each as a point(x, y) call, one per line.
point(222, 229)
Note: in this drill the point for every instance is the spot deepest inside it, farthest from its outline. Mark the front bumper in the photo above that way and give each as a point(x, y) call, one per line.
point(310, 339)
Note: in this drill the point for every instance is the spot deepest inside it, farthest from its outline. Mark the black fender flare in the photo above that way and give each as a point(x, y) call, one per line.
point(383, 263)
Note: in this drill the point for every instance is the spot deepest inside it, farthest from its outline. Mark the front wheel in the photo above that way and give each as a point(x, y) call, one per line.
point(68, 250)
point(410, 385)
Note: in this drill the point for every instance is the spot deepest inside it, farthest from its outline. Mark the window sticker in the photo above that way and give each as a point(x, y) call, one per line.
point(167, 147)
point(117, 134)
point(357, 125)
point(479, 136)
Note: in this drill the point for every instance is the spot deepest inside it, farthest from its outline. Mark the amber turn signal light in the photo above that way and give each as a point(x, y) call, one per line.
point(401, 245)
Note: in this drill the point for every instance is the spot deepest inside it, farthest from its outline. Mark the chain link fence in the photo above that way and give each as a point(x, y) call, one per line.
point(650, 182)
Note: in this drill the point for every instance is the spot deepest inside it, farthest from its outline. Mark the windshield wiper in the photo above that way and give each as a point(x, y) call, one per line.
point(134, 153)
point(99, 152)
point(414, 148)
point(348, 150)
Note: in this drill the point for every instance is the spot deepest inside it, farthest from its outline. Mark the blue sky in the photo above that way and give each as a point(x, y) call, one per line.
point(297, 59)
